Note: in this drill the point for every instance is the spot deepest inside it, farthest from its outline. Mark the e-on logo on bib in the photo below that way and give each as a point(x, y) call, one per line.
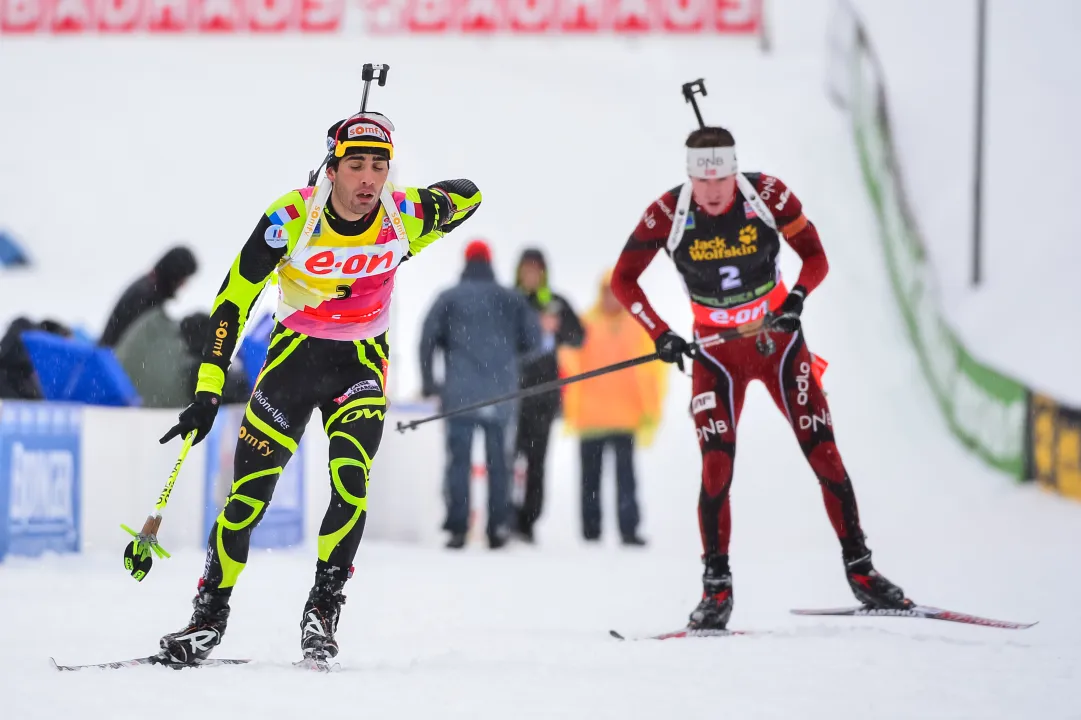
point(718, 249)
point(349, 263)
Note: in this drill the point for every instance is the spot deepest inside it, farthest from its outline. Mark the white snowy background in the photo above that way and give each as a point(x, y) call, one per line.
point(111, 149)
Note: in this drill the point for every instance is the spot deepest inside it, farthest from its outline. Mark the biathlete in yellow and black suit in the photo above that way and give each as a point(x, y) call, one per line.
point(328, 350)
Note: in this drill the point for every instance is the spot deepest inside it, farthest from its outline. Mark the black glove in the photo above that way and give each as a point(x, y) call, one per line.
point(672, 348)
point(787, 318)
point(445, 193)
point(198, 416)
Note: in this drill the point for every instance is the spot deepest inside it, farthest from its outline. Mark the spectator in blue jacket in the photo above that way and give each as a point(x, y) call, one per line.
point(484, 331)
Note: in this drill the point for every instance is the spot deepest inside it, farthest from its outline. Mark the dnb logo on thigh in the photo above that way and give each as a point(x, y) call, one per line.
point(710, 429)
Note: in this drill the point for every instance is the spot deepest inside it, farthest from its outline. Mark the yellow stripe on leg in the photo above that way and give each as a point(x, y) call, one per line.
point(278, 360)
point(327, 543)
point(279, 437)
point(362, 356)
point(230, 568)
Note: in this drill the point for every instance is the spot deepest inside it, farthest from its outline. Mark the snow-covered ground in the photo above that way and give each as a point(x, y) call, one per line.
point(523, 633)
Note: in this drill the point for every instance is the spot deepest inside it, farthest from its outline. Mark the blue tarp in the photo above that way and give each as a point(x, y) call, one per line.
point(73, 370)
point(10, 252)
point(253, 348)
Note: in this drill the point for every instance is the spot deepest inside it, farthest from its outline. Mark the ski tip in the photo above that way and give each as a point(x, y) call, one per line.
point(616, 635)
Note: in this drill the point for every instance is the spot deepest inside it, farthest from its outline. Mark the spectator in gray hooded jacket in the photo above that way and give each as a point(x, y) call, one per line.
point(483, 330)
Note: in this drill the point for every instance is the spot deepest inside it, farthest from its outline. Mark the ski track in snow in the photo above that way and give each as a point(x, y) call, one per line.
point(524, 633)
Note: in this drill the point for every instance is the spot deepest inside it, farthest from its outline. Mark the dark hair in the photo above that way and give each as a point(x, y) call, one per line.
point(195, 329)
point(707, 137)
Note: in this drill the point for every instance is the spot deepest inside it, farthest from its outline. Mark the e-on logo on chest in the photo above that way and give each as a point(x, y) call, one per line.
point(718, 249)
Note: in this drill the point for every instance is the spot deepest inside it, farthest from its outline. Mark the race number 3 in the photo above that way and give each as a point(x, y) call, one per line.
point(730, 278)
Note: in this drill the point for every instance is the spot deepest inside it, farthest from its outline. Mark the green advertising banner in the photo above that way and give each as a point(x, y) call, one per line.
point(985, 409)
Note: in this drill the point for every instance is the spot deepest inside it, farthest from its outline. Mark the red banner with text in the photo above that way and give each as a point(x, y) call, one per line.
point(381, 17)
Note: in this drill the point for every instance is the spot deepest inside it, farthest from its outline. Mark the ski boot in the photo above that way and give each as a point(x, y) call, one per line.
point(871, 587)
point(320, 619)
point(715, 608)
point(196, 640)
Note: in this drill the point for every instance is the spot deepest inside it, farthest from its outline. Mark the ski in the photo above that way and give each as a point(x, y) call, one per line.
point(682, 633)
point(917, 611)
point(149, 660)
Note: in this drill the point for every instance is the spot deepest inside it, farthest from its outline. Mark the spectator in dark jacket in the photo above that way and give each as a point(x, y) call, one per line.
point(149, 291)
point(18, 379)
point(561, 327)
point(482, 330)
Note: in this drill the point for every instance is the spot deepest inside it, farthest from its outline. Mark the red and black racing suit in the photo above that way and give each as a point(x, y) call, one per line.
point(729, 265)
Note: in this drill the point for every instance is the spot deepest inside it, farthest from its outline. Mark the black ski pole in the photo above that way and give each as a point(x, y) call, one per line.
point(716, 339)
point(531, 391)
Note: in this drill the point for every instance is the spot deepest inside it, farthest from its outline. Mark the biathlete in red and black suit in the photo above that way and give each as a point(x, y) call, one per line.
point(723, 231)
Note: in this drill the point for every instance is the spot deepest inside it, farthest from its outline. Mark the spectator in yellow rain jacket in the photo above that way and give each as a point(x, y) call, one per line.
point(619, 409)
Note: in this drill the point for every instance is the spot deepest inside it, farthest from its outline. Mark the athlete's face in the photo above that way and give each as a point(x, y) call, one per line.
point(714, 195)
point(358, 181)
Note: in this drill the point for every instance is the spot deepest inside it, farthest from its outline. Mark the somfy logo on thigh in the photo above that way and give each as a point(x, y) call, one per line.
point(261, 446)
point(276, 415)
point(362, 386)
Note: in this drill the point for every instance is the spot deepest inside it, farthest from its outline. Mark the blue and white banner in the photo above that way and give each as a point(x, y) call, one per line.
point(283, 522)
point(40, 477)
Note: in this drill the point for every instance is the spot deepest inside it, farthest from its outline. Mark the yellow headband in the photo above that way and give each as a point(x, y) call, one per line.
point(340, 148)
